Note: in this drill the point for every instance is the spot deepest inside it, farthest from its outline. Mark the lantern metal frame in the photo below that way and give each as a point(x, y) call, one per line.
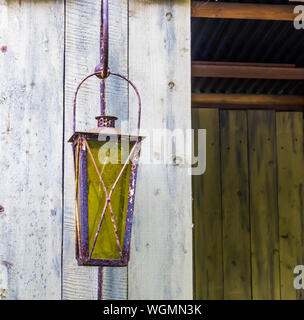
point(81, 151)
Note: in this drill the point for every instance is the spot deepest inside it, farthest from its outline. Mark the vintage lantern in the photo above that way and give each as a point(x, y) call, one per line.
point(106, 162)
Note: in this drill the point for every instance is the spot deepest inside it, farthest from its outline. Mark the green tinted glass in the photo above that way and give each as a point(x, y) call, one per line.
point(106, 245)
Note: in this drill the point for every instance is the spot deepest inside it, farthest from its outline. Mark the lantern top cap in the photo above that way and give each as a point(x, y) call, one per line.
point(100, 133)
point(106, 121)
point(105, 129)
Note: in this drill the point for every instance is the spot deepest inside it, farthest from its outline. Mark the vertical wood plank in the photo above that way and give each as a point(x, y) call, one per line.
point(159, 64)
point(263, 204)
point(290, 198)
point(206, 190)
point(235, 205)
point(82, 55)
point(116, 279)
point(31, 95)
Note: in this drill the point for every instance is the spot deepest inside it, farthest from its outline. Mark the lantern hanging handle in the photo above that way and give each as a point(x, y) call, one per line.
point(113, 74)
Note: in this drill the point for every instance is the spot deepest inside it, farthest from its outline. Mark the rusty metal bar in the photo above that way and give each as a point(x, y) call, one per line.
point(104, 52)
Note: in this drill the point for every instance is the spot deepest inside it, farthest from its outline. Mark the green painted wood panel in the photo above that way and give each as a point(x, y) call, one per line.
point(261, 178)
point(263, 204)
point(235, 205)
point(207, 212)
point(290, 193)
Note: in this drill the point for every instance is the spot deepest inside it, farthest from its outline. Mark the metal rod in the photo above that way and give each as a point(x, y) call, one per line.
point(104, 52)
point(104, 37)
point(137, 94)
point(104, 57)
point(97, 73)
point(100, 284)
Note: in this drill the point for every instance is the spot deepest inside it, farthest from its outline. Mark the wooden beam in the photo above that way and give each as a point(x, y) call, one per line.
point(242, 11)
point(201, 99)
point(250, 64)
point(249, 71)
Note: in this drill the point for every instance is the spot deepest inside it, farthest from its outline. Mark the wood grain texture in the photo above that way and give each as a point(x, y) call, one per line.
point(159, 64)
point(82, 55)
point(242, 11)
point(31, 95)
point(259, 100)
point(235, 205)
point(206, 190)
point(258, 264)
point(263, 205)
point(290, 194)
point(243, 71)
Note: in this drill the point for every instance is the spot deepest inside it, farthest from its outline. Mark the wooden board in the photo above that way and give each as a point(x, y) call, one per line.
point(263, 205)
point(201, 69)
point(206, 189)
point(290, 194)
point(260, 250)
point(31, 99)
point(254, 11)
point(235, 205)
point(246, 100)
point(82, 55)
point(159, 64)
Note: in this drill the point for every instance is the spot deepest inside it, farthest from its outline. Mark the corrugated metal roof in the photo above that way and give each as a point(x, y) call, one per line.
point(233, 40)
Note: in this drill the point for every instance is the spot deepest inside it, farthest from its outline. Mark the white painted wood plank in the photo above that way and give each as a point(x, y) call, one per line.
point(31, 100)
point(159, 55)
point(82, 54)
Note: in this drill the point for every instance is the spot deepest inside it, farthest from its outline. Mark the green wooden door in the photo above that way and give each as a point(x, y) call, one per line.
point(249, 205)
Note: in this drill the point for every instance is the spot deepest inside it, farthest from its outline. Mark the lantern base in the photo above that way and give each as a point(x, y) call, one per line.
point(102, 262)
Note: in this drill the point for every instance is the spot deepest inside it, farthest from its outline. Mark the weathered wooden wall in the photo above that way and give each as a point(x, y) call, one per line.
point(47, 47)
point(31, 127)
point(248, 207)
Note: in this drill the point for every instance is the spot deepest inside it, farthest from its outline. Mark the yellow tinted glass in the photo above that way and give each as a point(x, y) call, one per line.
point(106, 245)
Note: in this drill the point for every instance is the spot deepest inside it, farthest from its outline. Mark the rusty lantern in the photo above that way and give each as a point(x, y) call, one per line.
point(106, 164)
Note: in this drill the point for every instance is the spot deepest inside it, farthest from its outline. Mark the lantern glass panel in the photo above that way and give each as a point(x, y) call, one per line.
point(106, 246)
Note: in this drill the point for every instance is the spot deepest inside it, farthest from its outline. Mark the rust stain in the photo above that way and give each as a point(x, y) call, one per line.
point(8, 124)
point(3, 49)
point(19, 2)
